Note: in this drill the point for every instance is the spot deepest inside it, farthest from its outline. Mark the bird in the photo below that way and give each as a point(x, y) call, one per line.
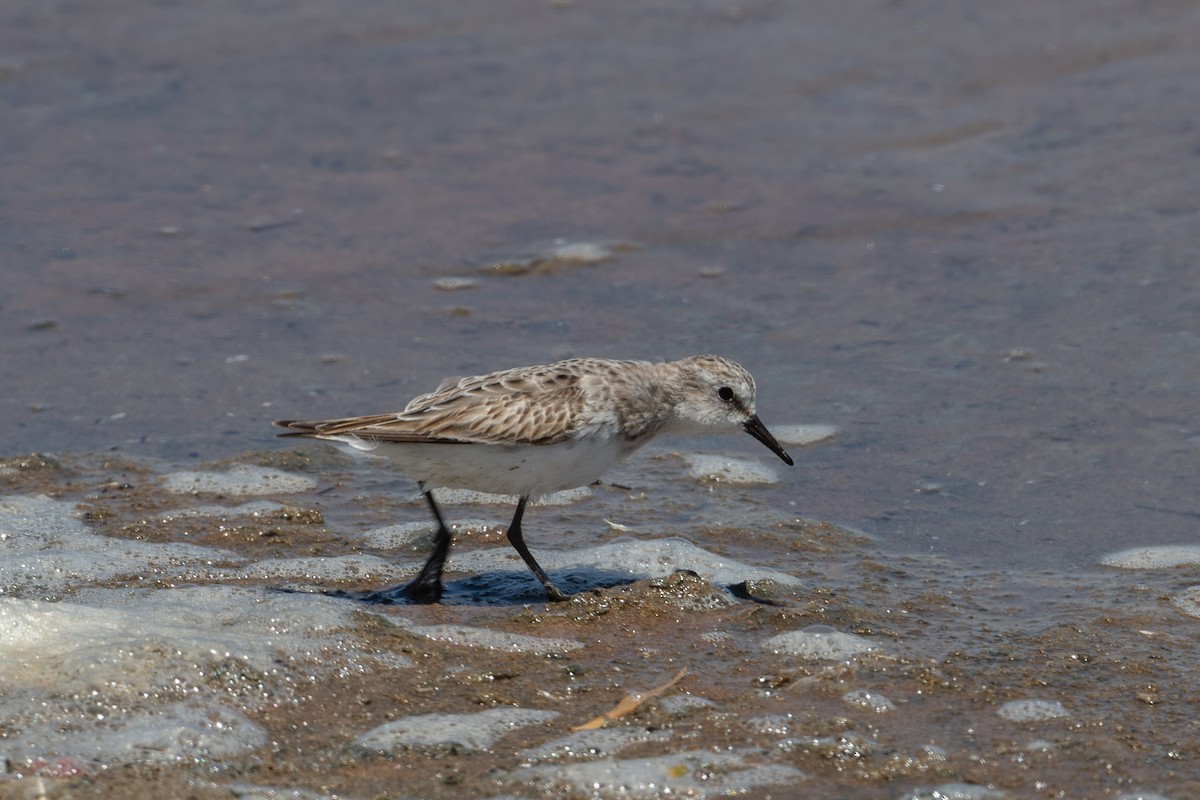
point(534, 430)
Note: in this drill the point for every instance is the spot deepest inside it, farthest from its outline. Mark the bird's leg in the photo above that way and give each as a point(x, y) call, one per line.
point(517, 540)
point(427, 586)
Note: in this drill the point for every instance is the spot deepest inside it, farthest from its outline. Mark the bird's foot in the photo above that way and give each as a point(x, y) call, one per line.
point(422, 590)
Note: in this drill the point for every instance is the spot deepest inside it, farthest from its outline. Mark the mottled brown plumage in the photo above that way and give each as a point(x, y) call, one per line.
point(529, 405)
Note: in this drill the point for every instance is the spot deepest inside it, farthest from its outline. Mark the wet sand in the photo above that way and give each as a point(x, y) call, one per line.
point(964, 236)
point(874, 675)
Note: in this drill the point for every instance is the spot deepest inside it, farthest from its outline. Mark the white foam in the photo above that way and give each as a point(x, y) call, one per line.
point(494, 640)
point(318, 569)
point(1032, 710)
point(820, 642)
point(237, 481)
point(130, 636)
point(692, 773)
point(404, 534)
point(254, 508)
point(933, 753)
point(865, 698)
point(847, 746)
point(454, 284)
point(468, 636)
point(632, 557)
point(592, 744)
point(770, 724)
point(475, 731)
point(33, 632)
point(1170, 555)
point(173, 732)
point(722, 469)
point(47, 549)
point(1188, 601)
point(957, 791)
point(242, 790)
point(681, 705)
point(580, 252)
point(149, 675)
point(565, 497)
point(803, 434)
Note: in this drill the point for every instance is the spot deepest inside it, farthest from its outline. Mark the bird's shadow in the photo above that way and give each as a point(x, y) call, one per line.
point(497, 588)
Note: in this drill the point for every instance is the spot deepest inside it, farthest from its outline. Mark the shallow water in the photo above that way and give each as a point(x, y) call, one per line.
point(218, 642)
point(963, 236)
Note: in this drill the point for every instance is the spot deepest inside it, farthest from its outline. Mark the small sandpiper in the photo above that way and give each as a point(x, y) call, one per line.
point(531, 431)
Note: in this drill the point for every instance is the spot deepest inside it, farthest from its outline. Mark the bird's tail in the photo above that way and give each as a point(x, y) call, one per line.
point(298, 427)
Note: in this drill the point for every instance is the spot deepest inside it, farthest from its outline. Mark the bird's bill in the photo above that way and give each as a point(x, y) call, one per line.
point(755, 428)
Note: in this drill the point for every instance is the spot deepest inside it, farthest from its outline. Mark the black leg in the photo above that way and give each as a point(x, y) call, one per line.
point(427, 586)
point(517, 540)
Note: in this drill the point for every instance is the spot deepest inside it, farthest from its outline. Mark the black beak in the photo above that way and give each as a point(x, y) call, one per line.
point(755, 428)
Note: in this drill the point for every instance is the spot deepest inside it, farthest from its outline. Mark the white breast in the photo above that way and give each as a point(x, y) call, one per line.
point(504, 469)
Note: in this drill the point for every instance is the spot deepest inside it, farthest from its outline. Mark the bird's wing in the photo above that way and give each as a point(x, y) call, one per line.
point(514, 407)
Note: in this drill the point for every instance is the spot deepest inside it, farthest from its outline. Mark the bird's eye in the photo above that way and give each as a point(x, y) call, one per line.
point(725, 393)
